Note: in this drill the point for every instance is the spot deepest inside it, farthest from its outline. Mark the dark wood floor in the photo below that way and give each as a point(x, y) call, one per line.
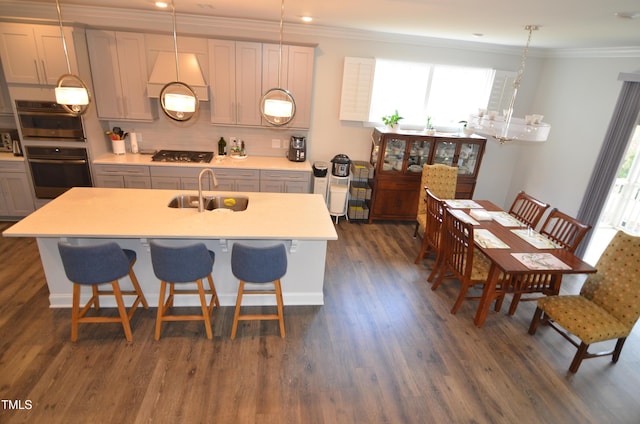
point(383, 349)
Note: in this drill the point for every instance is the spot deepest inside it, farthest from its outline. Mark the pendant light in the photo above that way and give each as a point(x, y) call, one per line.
point(177, 100)
point(71, 92)
point(507, 128)
point(277, 105)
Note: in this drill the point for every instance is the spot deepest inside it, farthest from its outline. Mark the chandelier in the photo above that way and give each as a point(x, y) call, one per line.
point(277, 105)
point(506, 127)
point(177, 99)
point(71, 92)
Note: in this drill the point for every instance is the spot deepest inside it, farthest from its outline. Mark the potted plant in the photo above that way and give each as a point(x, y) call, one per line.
point(391, 121)
point(429, 128)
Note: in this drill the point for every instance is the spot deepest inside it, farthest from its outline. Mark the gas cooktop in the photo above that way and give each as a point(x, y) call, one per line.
point(182, 156)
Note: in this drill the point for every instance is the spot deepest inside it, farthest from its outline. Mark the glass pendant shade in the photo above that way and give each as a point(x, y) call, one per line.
point(179, 102)
point(278, 106)
point(177, 99)
point(71, 92)
point(507, 128)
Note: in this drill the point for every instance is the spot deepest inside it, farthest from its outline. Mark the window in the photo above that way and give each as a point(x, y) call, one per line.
point(448, 94)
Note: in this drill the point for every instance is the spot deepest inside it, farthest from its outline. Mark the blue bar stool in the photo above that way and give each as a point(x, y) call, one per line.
point(95, 265)
point(261, 269)
point(183, 264)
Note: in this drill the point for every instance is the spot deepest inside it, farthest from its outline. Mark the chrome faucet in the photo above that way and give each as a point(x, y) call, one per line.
point(200, 196)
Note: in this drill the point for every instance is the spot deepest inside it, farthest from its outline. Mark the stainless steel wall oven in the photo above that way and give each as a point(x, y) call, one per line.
point(41, 120)
point(57, 169)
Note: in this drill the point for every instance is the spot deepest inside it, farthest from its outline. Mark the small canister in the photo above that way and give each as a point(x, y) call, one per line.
point(340, 167)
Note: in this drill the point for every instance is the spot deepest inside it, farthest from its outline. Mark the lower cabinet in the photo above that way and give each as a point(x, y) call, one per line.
point(186, 178)
point(285, 181)
point(15, 194)
point(237, 180)
point(121, 176)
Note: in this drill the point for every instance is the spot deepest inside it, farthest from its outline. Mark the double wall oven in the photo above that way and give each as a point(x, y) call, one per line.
point(54, 147)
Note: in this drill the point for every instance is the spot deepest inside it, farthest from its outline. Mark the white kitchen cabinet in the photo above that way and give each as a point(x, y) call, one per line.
point(15, 191)
point(119, 70)
point(121, 176)
point(34, 54)
point(235, 77)
point(237, 180)
point(296, 76)
point(177, 178)
point(285, 181)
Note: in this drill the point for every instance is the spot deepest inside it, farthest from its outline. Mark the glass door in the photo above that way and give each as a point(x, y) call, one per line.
point(445, 152)
point(468, 158)
point(419, 155)
point(393, 155)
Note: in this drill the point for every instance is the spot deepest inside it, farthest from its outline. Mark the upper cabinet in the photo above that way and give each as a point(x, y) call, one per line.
point(235, 71)
point(119, 71)
point(296, 76)
point(34, 54)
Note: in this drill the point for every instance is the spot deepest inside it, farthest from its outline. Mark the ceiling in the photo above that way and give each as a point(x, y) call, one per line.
point(564, 24)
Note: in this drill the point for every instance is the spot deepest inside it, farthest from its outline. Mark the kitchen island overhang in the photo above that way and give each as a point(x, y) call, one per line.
point(132, 217)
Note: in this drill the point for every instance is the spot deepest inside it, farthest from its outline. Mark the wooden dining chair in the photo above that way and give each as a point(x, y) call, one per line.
point(567, 232)
point(442, 180)
point(432, 232)
point(459, 258)
point(607, 307)
point(528, 209)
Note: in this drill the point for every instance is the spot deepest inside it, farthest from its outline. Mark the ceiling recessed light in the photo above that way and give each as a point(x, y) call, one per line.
point(162, 4)
point(306, 19)
point(477, 34)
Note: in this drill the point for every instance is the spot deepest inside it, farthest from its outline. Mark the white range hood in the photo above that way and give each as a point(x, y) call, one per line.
point(164, 71)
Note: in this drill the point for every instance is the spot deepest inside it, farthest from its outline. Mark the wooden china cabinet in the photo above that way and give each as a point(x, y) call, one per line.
point(397, 158)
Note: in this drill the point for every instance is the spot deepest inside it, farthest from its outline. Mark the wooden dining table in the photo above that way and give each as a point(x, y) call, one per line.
point(504, 252)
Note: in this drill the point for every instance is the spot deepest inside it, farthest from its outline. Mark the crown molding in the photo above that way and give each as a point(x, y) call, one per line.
point(208, 26)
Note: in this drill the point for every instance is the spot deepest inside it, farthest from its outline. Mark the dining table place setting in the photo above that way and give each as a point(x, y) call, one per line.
point(488, 240)
point(505, 219)
point(463, 204)
point(540, 261)
point(464, 217)
point(535, 239)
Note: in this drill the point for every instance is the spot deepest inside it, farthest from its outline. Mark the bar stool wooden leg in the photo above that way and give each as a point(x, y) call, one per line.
point(205, 310)
point(75, 312)
point(280, 306)
point(236, 314)
point(161, 309)
point(124, 318)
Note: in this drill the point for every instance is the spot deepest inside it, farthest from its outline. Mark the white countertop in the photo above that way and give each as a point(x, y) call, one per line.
point(136, 213)
point(251, 162)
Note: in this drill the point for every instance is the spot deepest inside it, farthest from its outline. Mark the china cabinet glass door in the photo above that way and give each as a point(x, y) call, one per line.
point(393, 155)
point(445, 152)
point(418, 155)
point(468, 158)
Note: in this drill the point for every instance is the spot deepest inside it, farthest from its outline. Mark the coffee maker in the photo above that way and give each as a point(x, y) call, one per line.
point(297, 149)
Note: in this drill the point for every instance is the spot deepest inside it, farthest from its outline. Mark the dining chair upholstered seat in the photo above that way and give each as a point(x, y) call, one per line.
point(95, 265)
point(528, 209)
point(442, 181)
point(607, 307)
point(182, 265)
point(566, 232)
point(432, 231)
point(259, 270)
point(460, 259)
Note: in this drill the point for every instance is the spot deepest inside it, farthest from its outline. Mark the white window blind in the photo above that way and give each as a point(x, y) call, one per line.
point(357, 85)
point(501, 91)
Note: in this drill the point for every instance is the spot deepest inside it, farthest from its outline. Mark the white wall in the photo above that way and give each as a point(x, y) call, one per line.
point(578, 96)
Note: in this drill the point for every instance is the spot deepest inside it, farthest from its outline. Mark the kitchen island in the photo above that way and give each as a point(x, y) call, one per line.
point(132, 217)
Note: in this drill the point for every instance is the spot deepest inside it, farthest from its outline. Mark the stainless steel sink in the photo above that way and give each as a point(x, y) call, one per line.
point(234, 203)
